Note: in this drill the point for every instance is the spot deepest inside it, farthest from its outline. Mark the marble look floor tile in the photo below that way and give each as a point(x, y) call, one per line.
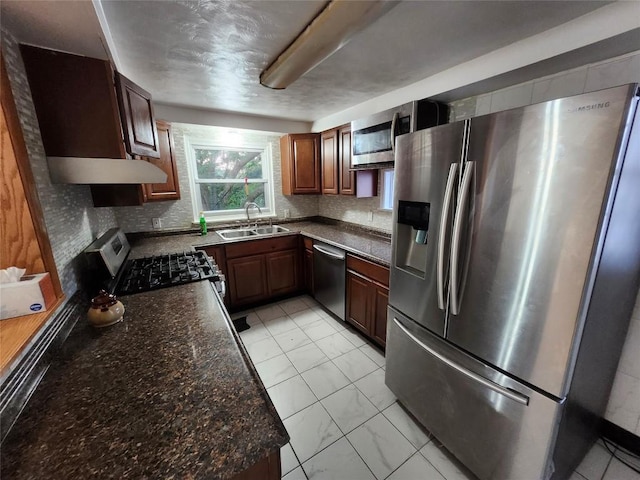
point(263, 350)
point(339, 325)
point(269, 312)
point(417, 467)
point(337, 461)
point(254, 333)
point(619, 471)
point(291, 396)
point(297, 474)
point(355, 364)
point(279, 325)
point(594, 463)
point(335, 345)
point(306, 357)
point(353, 337)
point(325, 379)
point(319, 329)
point(292, 339)
point(374, 354)
point(305, 317)
point(253, 319)
point(445, 463)
point(374, 388)
point(311, 430)
point(309, 300)
point(293, 305)
point(276, 370)
point(381, 446)
point(288, 460)
point(349, 408)
point(407, 425)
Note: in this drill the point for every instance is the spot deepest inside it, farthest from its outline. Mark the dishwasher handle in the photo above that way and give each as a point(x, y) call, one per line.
point(337, 256)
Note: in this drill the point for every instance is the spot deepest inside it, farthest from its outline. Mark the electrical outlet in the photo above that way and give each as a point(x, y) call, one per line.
point(371, 215)
point(287, 213)
point(156, 222)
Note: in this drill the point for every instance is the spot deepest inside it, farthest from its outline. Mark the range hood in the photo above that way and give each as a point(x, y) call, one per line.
point(93, 171)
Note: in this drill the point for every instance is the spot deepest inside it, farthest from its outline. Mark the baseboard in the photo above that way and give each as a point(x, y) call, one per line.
point(621, 437)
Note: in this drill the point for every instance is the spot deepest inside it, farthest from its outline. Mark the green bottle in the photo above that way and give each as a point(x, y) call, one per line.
point(203, 224)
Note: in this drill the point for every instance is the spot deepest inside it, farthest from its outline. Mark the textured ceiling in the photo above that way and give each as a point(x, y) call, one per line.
point(209, 54)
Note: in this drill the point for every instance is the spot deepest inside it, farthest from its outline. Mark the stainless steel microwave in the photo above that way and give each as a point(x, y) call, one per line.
point(373, 138)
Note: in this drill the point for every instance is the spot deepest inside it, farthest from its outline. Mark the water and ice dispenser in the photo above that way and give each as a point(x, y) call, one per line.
point(412, 237)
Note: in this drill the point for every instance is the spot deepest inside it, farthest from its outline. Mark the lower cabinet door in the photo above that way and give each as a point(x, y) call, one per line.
point(379, 323)
point(358, 293)
point(247, 279)
point(282, 272)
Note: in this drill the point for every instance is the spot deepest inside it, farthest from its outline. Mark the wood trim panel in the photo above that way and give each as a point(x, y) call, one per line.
point(266, 245)
point(268, 468)
point(14, 132)
point(376, 272)
point(308, 243)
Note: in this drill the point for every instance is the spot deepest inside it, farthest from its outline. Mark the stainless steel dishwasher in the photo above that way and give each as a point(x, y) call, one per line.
point(329, 272)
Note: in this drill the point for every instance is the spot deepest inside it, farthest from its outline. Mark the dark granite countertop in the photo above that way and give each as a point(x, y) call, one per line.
point(167, 393)
point(375, 248)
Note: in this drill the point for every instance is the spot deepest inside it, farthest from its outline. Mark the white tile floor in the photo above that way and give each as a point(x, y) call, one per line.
point(327, 383)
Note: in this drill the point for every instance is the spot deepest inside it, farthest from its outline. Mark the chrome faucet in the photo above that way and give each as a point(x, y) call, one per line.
point(246, 209)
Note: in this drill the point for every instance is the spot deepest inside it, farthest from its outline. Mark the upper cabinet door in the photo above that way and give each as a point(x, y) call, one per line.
point(300, 154)
point(347, 177)
point(329, 156)
point(167, 163)
point(138, 122)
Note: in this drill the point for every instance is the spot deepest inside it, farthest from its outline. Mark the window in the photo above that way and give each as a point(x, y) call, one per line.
point(224, 179)
point(386, 193)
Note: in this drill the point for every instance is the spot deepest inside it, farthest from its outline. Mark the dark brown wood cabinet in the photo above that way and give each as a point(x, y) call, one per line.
point(368, 297)
point(347, 177)
point(79, 116)
point(307, 252)
point(329, 154)
point(170, 190)
point(259, 270)
point(136, 113)
point(300, 159)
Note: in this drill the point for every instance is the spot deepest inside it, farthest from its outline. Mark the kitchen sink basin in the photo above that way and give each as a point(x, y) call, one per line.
point(268, 230)
point(234, 233)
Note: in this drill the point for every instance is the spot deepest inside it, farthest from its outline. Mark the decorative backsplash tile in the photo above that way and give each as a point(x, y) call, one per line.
point(71, 220)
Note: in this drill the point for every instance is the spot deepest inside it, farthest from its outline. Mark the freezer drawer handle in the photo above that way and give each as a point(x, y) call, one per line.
point(327, 252)
point(518, 397)
point(444, 223)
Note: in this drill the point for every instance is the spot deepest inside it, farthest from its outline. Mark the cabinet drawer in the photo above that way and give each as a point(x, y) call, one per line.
point(254, 247)
point(375, 272)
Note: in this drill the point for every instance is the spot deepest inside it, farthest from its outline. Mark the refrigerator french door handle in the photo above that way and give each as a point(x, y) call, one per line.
point(442, 232)
point(463, 197)
point(393, 132)
point(511, 394)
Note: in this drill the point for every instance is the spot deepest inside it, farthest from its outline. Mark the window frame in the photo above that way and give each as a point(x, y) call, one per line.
point(192, 144)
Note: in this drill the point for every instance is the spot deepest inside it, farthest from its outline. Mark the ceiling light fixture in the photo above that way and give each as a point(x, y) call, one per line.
point(329, 31)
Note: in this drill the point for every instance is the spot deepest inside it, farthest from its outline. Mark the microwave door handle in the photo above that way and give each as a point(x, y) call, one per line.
point(463, 197)
point(444, 225)
point(394, 120)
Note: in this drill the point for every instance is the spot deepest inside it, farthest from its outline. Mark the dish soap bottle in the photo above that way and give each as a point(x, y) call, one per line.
point(203, 224)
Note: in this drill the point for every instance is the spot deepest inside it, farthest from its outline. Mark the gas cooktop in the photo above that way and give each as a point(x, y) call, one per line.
point(150, 273)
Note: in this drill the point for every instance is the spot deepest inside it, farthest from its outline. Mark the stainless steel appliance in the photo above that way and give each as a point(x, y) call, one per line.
point(515, 268)
point(329, 276)
point(373, 138)
point(108, 257)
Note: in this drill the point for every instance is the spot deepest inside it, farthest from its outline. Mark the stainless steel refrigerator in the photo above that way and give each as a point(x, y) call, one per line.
point(515, 268)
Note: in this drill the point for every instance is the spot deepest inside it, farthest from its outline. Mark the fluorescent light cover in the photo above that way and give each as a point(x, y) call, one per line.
point(328, 32)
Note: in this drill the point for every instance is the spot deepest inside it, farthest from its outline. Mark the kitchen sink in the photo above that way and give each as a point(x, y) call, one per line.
point(268, 230)
point(234, 233)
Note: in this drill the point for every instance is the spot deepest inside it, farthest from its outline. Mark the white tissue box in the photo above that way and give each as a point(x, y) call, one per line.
point(32, 294)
